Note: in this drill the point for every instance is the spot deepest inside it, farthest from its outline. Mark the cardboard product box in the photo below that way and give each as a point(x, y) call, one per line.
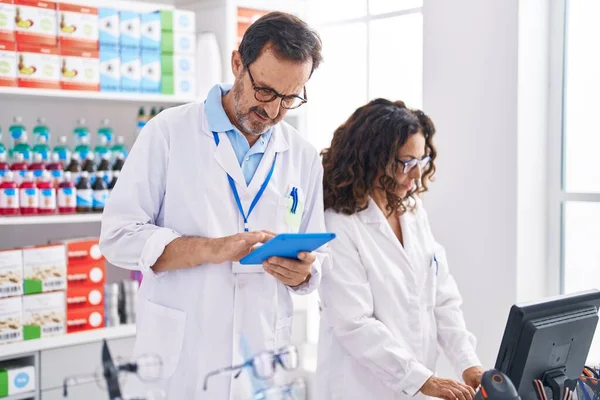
point(36, 22)
point(44, 269)
point(178, 21)
point(80, 69)
point(85, 319)
point(78, 26)
point(84, 250)
point(131, 71)
point(11, 323)
point(90, 275)
point(110, 69)
point(178, 43)
point(109, 28)
point(11, 273)
point(38, 66)
point(182, 85)
point(151, 31)
point(44, 315)
point(16, 378)
point(178, 64)
point(7, 21)
point(151, 73)
point(85, 296)
point(8, 64)
point(130, 30)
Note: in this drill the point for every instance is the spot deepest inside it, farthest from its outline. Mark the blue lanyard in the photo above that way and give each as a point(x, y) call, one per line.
point(258, 195)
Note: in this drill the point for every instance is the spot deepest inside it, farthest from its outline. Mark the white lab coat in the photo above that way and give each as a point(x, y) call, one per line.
point(385, 310)
point(174, 183)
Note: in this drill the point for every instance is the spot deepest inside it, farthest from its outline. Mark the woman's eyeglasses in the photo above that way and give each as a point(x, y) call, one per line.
point(267, 95)
point(411, 164)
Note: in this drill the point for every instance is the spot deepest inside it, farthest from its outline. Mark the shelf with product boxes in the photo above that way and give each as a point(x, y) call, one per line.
point(67, 47)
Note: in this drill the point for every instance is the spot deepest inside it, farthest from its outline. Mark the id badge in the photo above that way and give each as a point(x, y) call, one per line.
point(238, 268)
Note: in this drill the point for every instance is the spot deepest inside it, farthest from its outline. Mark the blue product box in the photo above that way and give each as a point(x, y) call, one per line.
point(151, 31)
point(110, 69)
point(131, 71)
point(130, 30)
point(109, 27)
point(151, 72)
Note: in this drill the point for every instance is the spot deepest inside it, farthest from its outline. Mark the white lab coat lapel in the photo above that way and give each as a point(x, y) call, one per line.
point(225, 156)
point(277, 144)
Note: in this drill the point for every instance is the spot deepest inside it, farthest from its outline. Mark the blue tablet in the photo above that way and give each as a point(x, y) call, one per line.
point(287, 245)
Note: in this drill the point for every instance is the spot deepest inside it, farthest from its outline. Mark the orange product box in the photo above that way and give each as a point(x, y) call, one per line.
point(35, 22)
point(8, 63)
point(84, 250)
point(85, 319)
point(78, 26)
point(7, 21)
point(84, 296)
point(86, 274)
point(38, 66)
point(80, 69)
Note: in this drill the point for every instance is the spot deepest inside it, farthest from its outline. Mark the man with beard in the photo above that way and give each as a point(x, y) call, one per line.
point(204, 184)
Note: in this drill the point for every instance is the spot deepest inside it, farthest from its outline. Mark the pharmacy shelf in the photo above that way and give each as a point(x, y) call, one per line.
point(51, 219)
point(17, 92)
point(22, 396)
point(72, 339)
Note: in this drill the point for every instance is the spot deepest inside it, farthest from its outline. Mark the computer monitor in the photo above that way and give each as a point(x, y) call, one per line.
point(549, 341)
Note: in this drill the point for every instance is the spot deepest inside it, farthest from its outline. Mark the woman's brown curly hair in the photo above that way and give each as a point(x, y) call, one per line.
point(367, 143)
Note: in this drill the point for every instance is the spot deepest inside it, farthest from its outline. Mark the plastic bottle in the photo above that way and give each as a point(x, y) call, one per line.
point(90, 167)
point(119, 163)
point(104, 166)
point(18, 135)
point(85, 194)
point(100, 192)
point(141, 121)
point(41, 147)
point(67, 195)
point(63, 151)
point(74, 168)
point(2, 146)
point(106, 131)
point(9, 195)
point(153, 113)
point(4, 167)
point(113, 182)
point(56, 169)
point(41, 130)
point(29, 196)
point(37, 167)
point(101, 149)
point(47, 202)
point(119, 148)
point(19, 168)
point(82, 139)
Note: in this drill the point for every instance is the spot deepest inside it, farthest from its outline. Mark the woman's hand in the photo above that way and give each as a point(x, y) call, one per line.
point(447, 389)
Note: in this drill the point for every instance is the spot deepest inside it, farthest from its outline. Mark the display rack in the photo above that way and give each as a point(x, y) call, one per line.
point(50, 219)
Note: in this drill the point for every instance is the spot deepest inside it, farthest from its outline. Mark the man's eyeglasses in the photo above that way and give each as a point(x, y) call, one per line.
point(267, 95)
point(263, 364)
point(409, 165)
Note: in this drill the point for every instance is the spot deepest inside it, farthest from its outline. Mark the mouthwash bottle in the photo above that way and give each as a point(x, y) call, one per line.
point(106, 131)
point(2, 146)
point(119, 148)
point(41, 147)
point(63, 151)
point(41, 129)
point(101, 149)
point(18, 136)
point(82, 139)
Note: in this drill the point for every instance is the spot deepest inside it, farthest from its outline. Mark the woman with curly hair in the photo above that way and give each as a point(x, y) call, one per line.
point(389, 300)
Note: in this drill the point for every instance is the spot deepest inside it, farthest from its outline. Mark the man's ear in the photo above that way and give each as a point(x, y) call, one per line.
point(237, 66)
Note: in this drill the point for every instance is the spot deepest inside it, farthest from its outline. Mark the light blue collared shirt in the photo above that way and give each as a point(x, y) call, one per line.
point(249, 158)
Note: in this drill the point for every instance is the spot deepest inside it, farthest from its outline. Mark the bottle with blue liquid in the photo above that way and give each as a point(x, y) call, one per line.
point(2, 146)
point(106, 131)
point(81, 136)
point(41, 129)
point(101, 149)
point(18, 136)
point(119, 149)
point(41, 147)
point(63, 151)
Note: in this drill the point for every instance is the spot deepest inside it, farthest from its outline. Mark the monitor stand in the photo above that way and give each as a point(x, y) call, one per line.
point(557, 381)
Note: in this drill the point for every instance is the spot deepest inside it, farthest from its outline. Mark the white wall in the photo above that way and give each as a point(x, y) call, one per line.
point(470, 91)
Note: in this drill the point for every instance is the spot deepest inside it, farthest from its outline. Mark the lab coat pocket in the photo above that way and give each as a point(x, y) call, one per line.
point(289, 211)
point(431, 285)
point(283, 332)
point(160, 333)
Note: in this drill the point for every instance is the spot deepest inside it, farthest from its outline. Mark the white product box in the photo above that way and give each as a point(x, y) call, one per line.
point(184, 21)
point(11, 273)
point(7, 21)
point(109, 27)
point(130, 29)
point(44, 315)
point(131, 71)
point(38, 66)
point(80, 70)
point(11, 326)
point(184, 64)
point(185, 85)
point(18, 377)
point(110, 69)
point(151, 30)
point(44, 269)
point(35, 22)
point(151, 72)
point(78, 26)
point(8, 64)
point(184, 43)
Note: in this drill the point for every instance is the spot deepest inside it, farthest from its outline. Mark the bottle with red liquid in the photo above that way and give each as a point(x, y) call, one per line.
point(47, 193)
point(19, 168)
point(67, 195)
point(29, 196)
point(3, 165)
point(38, 167)
point(56, 169)
point(9, 195)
